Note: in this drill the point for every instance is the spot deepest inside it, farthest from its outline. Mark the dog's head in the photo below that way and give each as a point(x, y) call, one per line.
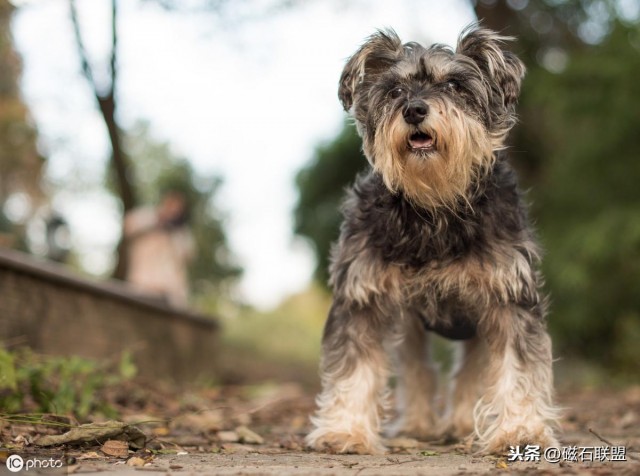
point(432, 118)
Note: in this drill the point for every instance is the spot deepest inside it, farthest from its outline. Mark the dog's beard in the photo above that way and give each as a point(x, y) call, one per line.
point(435, 163)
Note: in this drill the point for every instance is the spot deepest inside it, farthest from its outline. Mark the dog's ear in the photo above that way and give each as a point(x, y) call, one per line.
point(501, 67)
point(377, 54)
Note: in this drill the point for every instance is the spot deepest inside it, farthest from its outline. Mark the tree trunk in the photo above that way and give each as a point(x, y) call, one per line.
point(498, 17)
point(119, 160)
point(107, 104)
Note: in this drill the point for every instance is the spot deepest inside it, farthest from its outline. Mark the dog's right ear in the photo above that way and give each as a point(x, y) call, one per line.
point(377, 54)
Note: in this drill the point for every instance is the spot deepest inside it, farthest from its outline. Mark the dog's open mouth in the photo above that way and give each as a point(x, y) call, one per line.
point(420, 141)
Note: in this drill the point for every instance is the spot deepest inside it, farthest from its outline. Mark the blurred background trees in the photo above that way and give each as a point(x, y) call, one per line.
point(577, 149)
point(587, 199)
point(140, 168)
point(20, 162)
point(321, 187)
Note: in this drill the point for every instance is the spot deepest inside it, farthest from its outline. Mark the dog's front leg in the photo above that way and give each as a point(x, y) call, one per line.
point(353, 373)
point(517, 408)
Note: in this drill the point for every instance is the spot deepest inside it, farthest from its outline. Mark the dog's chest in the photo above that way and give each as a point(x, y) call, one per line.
point(406, 258)
point(419, 240)
point(389, 248)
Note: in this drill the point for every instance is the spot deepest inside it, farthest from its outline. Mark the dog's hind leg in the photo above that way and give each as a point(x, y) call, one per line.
point(466, 387)
point(416, 382)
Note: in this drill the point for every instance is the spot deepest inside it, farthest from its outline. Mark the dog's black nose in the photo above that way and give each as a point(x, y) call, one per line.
point(415, 112)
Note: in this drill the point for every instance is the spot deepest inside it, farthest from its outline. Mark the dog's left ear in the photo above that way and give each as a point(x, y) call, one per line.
point(501, 67)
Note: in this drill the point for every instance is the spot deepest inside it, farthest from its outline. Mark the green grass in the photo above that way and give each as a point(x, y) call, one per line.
point(61, 385)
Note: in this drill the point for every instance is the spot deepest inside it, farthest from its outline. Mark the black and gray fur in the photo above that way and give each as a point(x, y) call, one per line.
point(435, 239)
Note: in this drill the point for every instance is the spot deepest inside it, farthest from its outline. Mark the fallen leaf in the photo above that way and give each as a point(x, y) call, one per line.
point(248, 436)
point(96, 432)
point(231, 448)
point(428, 453)
point(228, 436)
point(136, 461)
point(22, 440)
point(117, 448)
point(161, 431)
point(501, 464)
point(90, 455)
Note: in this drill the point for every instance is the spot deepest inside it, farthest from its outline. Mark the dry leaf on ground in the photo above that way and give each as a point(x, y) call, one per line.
point(96, 432)
point(248, 436)
point(117, 448)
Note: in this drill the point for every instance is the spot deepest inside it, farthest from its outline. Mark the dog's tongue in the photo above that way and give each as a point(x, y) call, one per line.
point(420, 140)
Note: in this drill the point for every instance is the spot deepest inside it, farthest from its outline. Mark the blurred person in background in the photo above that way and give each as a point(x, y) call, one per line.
point(160, 247)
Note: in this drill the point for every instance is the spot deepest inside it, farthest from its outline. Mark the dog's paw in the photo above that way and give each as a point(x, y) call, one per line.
point(501, 441)
point(342, 442)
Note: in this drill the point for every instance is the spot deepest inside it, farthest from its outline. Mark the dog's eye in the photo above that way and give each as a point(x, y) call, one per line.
point(453, 84)
point(396, 93)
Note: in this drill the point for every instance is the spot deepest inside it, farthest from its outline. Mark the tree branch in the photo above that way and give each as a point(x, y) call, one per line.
point(86, 68)
point(114, 46)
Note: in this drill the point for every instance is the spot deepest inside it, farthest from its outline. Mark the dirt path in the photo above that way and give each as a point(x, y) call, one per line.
point(289, 463)
point(271, 461)
point(260, 430)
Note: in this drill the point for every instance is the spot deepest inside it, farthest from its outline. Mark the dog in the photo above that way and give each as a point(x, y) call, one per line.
point(435, 238)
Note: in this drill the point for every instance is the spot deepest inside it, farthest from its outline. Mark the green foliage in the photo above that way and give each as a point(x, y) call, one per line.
point(8, 379)
point(20, 162)
point(587, 198)
point(61, 385)
point(158, 170)
point(321, 187)
point(126, 367)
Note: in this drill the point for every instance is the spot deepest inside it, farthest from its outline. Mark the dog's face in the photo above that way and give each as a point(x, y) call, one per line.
point(431, 118)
